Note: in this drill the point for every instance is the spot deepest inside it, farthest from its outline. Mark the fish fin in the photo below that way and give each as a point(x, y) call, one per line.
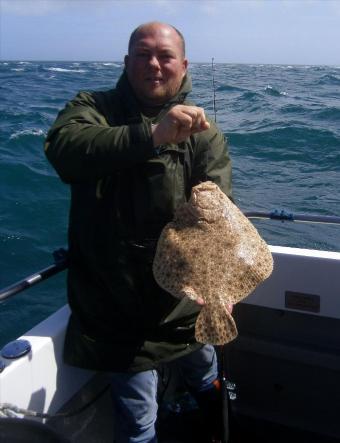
point(215, 326)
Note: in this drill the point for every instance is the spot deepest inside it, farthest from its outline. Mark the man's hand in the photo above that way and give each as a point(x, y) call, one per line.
point(179, 124)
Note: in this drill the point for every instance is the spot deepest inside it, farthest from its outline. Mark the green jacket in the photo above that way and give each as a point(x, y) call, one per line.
point(123, 192)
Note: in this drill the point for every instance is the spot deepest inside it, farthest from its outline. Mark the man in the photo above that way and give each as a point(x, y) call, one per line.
point(132, 155)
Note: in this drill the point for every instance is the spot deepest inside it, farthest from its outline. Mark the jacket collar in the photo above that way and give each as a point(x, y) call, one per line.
point(130, 102)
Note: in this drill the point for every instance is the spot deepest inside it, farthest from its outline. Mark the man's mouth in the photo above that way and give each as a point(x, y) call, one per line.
point(155, 80)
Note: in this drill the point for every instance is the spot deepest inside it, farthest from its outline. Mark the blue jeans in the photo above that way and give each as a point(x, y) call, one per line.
point(135, 395)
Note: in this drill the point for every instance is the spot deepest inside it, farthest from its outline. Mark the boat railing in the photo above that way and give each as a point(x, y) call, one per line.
point(61, 259)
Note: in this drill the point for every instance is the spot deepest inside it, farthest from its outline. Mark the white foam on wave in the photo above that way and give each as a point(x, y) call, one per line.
point(270, 88)
point(116, 65)
point(17, 69)
point(6, 238)
point(36, 132)
point(66, 70)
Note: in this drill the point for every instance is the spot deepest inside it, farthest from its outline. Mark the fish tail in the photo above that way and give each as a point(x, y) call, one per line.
point(215, 326)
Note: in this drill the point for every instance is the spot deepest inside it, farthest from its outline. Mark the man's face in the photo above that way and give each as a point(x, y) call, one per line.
point(156, 65)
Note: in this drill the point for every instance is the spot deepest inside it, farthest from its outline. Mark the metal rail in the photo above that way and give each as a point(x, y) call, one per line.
point(286, 216)
point(61, 262)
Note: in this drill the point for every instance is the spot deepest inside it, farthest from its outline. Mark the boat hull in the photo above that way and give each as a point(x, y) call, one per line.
point(285, 362)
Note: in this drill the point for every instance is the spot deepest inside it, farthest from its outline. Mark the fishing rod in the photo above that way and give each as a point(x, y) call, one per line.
point(60, 264)
point(287, 216)
point(214, 87)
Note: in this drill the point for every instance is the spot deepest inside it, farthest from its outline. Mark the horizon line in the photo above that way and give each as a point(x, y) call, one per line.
point(192, 62)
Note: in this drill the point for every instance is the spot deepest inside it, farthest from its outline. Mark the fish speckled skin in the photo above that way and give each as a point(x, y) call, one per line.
point(211, 251)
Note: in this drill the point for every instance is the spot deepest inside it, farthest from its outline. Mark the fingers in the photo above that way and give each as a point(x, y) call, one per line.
point(192, 117)
point(178, 124)
point(200, 301)
point(229, 307)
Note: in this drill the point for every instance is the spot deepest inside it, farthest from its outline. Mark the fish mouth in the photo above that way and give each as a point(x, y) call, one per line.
point(201, 198)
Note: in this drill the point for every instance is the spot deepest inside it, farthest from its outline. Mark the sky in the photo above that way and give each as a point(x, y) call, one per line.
point(231, 31)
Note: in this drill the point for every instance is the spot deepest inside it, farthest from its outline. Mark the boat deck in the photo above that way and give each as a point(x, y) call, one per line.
point(95, 426)
point(179, 422)
point(285, 364)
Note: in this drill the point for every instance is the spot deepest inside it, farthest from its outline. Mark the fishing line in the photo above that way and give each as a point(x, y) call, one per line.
point(215, 112)
point(214, 87)
point(226, 412)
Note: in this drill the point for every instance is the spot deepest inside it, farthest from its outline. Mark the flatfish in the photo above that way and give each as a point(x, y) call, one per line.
point(211, 253)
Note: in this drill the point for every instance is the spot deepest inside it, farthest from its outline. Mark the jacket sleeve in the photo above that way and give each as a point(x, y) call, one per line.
point(83, 147)
point(211, 160)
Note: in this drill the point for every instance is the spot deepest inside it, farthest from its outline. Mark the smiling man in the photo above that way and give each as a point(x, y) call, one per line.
point(131, 156)
point(156, 64)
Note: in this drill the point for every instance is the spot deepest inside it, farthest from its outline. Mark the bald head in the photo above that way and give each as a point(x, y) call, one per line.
point(155, 65)
point(156, 27)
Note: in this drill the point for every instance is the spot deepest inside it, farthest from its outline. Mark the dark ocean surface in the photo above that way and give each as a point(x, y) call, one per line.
point(283, 127)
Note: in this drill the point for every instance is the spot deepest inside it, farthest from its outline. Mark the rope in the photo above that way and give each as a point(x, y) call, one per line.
point(10, 410)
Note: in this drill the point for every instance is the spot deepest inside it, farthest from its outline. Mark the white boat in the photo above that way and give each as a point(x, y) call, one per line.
point(285, 363)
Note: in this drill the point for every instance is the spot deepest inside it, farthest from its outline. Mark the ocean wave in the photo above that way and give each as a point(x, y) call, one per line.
point(250, 96)
point(28, 132)
point(270, 90)
point(329, 79)
point(226, 87)
point(285, 66)
point(293, 109)
point(17, 69)
point(116, 65)
point(330, 114)
point(80, 71)
point(17, 120)
point(102, 66)
point(10, 237)
point(290, 142)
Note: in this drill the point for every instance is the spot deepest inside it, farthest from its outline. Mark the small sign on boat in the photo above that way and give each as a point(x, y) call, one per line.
point(302, 301)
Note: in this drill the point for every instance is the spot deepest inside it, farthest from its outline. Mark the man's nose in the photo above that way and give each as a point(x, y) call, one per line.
point(154, 62)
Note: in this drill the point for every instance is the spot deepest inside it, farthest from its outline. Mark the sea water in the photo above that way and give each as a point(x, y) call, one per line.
point(283, 127)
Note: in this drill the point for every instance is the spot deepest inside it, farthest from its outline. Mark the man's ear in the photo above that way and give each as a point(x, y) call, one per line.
point(126, 61)
point(185, 65)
